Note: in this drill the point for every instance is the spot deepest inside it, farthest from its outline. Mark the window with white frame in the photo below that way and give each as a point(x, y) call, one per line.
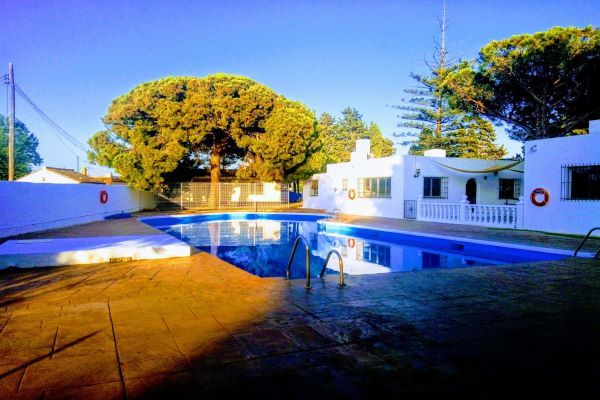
point(375, 187)
point(344, 184)
point(509, 189)
point(435, 187)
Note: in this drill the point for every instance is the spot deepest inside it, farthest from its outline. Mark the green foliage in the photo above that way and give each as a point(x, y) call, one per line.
point(340, 135)
point(173, 128)
point(26, 154)
point(287, 151)
point(434, 123)
point(542, 85)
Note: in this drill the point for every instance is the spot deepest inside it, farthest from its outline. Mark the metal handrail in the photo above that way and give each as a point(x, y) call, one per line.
point(333, 215)
point(307, 247)
point(584, 240)
point(341, 265)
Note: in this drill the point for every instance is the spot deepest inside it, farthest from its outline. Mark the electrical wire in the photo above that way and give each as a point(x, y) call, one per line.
point(57, 128)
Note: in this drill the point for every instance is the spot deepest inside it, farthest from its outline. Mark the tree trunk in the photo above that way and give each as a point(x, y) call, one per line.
point(215, 176)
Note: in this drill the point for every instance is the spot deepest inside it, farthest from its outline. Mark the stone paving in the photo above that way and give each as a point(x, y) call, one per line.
point(198, 327)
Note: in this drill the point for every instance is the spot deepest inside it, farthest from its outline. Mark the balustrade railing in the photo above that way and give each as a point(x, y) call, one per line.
point(500, 215)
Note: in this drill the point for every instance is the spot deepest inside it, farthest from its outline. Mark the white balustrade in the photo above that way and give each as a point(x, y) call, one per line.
point(471, 214)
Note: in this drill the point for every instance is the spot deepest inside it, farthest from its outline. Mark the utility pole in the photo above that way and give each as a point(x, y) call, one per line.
point(11, 123)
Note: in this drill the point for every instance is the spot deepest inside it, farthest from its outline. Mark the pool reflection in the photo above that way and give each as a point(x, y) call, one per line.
point(263, 247)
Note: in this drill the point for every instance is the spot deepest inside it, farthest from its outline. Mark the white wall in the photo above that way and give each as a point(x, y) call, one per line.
point(331, 195)
point(30, 207)
point(543, 170)
point(487, 184)
point(404, 184)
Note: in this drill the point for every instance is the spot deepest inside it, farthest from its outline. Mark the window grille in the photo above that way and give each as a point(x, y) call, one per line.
point(509, 189)
point(435, 187)
point(314, 188)
point(375, 187)
point(580, 182)
point(410, 209)
point(344, 184)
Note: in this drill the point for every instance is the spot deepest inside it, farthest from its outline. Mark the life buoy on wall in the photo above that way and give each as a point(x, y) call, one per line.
point(539, 191)
point(351, 194)
point(103, 196)
point(351, 243)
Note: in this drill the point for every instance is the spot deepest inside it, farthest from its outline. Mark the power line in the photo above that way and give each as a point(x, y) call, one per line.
point(49, 121)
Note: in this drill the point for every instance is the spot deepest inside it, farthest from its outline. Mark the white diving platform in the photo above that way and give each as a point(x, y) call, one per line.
point(89, 250)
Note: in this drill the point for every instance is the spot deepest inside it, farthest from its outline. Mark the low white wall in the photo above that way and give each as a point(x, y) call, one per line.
point(544, 161)
point(30, 207)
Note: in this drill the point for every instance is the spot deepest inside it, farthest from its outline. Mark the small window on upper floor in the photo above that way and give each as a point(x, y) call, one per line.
point(344, 184)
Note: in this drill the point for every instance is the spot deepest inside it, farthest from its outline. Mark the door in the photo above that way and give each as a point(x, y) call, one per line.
point(471, 191)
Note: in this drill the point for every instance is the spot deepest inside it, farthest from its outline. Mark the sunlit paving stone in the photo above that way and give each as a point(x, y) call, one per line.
point(201, 327)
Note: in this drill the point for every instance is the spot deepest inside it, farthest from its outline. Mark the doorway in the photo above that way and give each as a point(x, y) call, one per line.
point(471, 191)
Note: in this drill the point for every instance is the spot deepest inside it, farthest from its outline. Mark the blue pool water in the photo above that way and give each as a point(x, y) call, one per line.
point(261, 244)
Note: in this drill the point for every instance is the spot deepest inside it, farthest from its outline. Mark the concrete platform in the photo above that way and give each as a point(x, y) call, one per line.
point(89, 250)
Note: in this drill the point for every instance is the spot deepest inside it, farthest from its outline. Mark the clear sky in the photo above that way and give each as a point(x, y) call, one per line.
point(74, 57)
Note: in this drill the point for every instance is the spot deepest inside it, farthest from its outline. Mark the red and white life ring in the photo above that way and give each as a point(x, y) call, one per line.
point(534, 197)
point(103, 196)
point(351, 243)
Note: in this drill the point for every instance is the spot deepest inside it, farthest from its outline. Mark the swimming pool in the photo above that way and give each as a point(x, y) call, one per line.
point(261, 243)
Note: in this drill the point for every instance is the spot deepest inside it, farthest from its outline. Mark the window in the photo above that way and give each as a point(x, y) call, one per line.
point(433, 260)
point(314, 188)
point(375, 187)
point(374, 253)
point(580, 182)
point(509, 189)
point(435, 187)
point(344, 184)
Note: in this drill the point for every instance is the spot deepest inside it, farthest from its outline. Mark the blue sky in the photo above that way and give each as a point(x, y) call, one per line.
point(74, 57)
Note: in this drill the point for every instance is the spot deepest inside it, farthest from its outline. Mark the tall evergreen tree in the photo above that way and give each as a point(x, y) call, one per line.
point(434, 122)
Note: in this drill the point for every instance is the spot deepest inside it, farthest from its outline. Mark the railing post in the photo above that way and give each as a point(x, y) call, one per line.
point(520, 217)
point(462, 211)
point(181, 194)
point(419, 211)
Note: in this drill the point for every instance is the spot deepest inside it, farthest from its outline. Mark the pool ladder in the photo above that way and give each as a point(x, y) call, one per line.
point(584, 240)
point(307, 251)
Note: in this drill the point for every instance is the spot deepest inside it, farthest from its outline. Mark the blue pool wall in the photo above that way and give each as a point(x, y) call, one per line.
point(506, 252)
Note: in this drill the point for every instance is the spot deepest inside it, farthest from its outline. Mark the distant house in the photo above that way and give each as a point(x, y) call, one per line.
point(63, 175)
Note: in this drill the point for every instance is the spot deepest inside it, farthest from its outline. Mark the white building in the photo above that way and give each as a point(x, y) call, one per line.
point(431, 187)
point(63, 175)
point(557, 189)
point(568, 169)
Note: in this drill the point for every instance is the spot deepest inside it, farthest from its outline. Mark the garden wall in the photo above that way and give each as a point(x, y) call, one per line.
point(30, 207)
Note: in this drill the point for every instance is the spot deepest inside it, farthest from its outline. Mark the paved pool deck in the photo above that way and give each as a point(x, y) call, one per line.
point(197, 327)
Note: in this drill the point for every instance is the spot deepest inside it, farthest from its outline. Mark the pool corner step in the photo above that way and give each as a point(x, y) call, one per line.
point(90, 250)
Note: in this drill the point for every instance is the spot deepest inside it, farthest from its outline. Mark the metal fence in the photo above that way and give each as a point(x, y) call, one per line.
point(205, 196)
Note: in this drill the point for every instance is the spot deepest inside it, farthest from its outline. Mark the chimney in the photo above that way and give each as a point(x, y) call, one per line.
point(435, 153)
point(84, 171)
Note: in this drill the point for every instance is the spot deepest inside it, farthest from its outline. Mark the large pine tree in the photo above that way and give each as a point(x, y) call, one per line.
point(339, 136)
point(434, 122)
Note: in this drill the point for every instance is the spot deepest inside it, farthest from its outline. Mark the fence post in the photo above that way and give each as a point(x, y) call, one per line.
point(462, 212)
point(520, 217)
point(419, 211)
